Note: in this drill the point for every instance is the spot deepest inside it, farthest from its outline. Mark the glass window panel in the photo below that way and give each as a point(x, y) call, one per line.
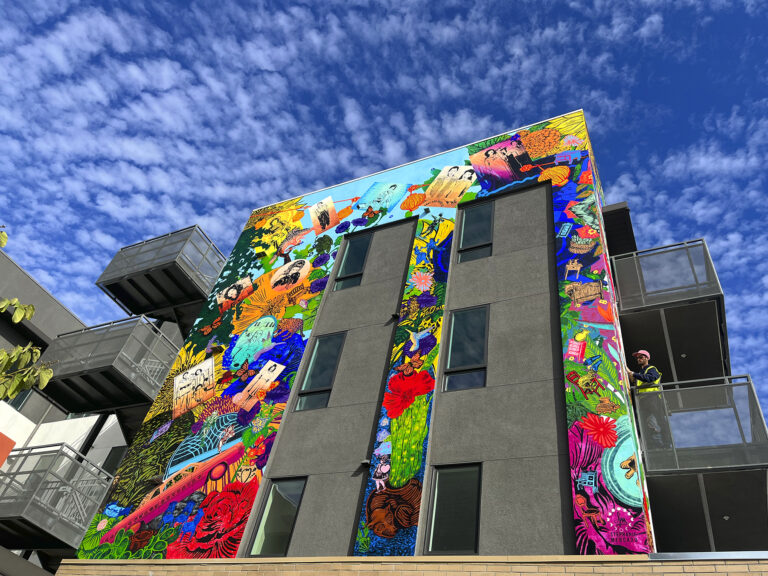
point(464, 380)
point(347, 282)
point(475, 253)
point(468, 328)
point(312, 401)
point(720, 424)
point(322, 366)
point(276, 525)
point(455, 510)
point(477, 225)
point(354, 255)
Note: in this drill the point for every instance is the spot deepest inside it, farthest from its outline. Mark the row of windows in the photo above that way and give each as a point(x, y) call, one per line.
point(453, 522)
point(467, 349)
point(465, 368)
point(475, 241)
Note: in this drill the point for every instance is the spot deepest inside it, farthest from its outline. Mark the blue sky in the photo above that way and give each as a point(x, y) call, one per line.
point(120, 122)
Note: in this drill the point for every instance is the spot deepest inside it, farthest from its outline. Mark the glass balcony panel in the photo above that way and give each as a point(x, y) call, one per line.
point(664, 275)
point(54, 488)
point(702, 424)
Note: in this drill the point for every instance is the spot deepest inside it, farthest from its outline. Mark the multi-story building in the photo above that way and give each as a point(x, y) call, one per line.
point(431, 360)
point(69, 438)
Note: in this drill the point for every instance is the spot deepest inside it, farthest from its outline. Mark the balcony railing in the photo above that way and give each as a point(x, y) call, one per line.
point(664, 275)
point(702, 424)
point(109, 366)
point(164, 272)
point(51, 491)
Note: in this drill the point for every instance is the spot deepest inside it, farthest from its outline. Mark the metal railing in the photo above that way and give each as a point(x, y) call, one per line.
point(190, 247)
point(53, 487)
point(664, 275)
point(702, 424)
point(135, 346)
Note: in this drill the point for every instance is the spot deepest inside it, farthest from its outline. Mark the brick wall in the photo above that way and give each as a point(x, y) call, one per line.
point(421, 566)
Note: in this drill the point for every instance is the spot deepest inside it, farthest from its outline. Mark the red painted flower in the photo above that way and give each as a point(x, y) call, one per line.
point(402, 391)
point(601, 429)
point(221, 528)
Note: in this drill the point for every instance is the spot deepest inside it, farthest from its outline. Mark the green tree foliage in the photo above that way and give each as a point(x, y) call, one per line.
point(19, 367)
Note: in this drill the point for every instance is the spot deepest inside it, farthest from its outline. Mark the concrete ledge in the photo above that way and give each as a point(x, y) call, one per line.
point(423, 565)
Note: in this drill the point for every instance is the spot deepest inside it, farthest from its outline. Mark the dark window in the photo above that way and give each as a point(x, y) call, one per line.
point(476, 238)
point(276, 526)
point(113, 459)
point(455, 510)
point(468, 336)
point(316, 387)
point(352, 264)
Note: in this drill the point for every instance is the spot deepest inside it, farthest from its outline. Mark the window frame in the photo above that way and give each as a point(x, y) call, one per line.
point(263, 509)
point(473, 247)
point(345, 249)
point(300, 393)
point(471, 367)
point(433, 500)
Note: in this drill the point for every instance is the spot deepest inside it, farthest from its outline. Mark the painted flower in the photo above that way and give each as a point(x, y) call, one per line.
point(402, 391)
point(303, 303)
point(343, 227)
point(572, 140)
point(102, 524)
point(318, 285)
point(360, 221)
point(321, 260)
point(422, 280)
point(333, 254)
point(220, 530)
point(601, 429)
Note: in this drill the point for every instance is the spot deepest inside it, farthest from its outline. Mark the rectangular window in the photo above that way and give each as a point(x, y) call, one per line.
point(455, 510)
point(352, 264)
point(467, 348)
point(276, 526)
point(476, 239)
point(316, 387)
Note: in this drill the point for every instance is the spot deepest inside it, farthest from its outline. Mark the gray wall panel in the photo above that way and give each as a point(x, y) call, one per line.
point(520, 508)
point(326, 519)
point(327, 445)
point(515, 426)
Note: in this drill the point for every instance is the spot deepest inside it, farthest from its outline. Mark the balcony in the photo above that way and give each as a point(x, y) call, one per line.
point(665, 275)
point(167, 278)
point(671, 304)
point(48, 496)
point(704, 424)
point(110, 366)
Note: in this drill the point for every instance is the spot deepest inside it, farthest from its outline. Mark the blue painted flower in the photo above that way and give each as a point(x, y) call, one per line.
point(343, 227)
point(320, 260)
point(360, 221)
point(333, 255)
point(318, 285)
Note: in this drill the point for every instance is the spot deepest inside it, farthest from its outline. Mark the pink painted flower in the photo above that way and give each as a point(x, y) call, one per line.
point(102, 524)
point(572, 140)
point(422, 280)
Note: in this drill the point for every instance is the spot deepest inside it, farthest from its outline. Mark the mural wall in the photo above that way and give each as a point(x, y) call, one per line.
point(187, 485)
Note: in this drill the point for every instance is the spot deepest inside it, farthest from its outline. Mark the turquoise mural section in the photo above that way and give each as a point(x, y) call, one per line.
point(188, 483)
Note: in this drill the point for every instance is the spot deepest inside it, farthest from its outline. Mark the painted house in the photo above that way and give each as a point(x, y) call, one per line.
point(432, 360)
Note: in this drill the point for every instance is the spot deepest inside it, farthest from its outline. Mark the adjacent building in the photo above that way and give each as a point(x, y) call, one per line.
point(68, 440)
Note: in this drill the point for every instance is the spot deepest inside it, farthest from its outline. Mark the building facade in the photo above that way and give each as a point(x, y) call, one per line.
point(431, 360)
point(424, 360)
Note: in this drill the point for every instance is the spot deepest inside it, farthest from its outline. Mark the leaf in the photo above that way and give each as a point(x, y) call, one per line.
point(29, 311)
point(3, 239)
point(18, 315)
point(44, 377)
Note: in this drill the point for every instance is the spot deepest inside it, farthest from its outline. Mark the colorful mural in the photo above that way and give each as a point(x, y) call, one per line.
point(187, 485)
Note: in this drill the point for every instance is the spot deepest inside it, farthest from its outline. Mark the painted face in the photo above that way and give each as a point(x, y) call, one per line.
point(253, 339)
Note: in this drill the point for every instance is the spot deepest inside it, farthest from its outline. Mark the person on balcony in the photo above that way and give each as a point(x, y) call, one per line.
point(646, 382)
point(647, 375)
